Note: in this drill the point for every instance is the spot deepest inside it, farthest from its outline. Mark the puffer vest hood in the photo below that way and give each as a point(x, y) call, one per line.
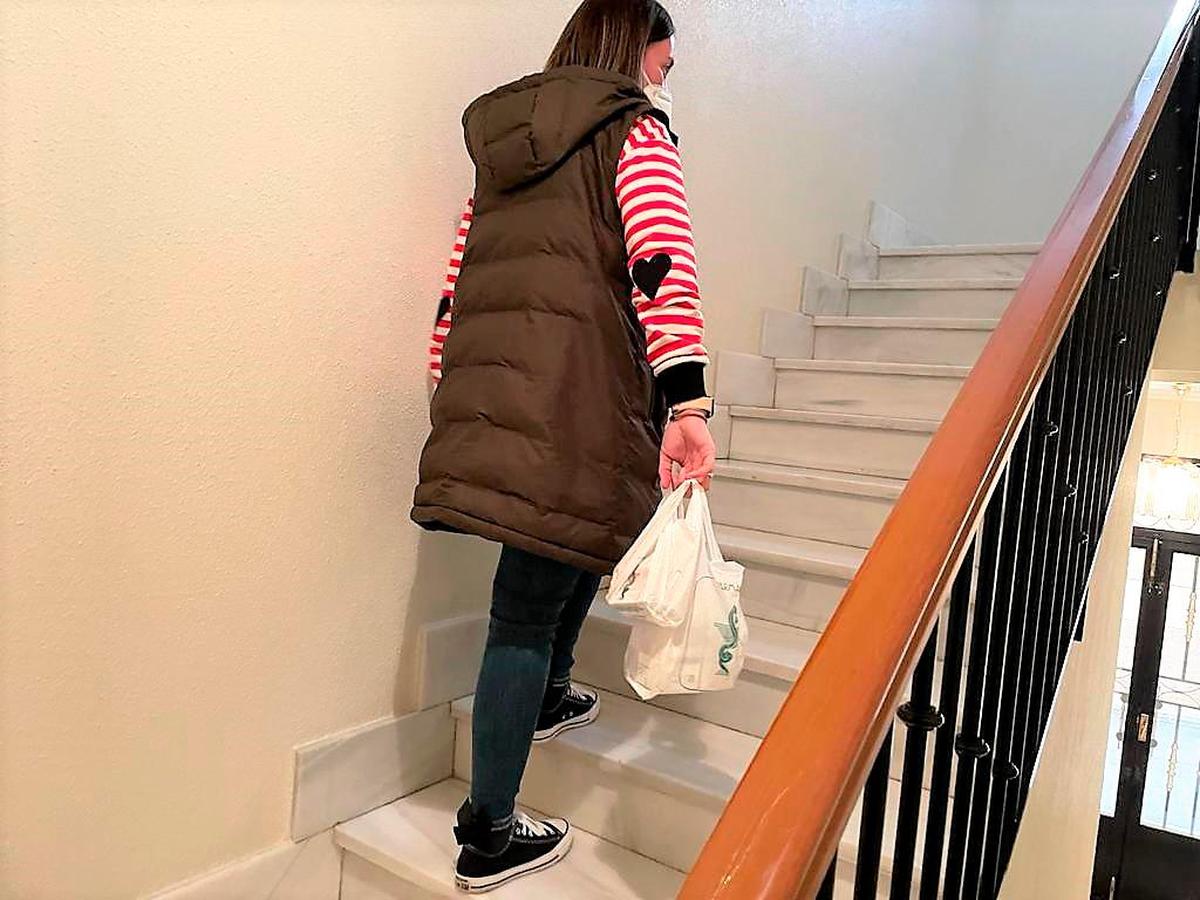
point(547, 421)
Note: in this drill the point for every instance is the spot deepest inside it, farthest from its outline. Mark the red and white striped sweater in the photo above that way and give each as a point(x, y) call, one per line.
point(666, 293)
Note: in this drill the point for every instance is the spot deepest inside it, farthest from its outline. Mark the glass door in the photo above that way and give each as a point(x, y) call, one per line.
point(1149, 845)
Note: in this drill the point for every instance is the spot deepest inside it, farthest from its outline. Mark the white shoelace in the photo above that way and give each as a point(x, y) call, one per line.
point(577, 695)
point(527, 827)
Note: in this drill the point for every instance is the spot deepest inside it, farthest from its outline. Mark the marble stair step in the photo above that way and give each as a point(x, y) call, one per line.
point(790, 580)
point(801, 502)
point(406, 851)
point(912, 390)
point(930, 340)
point(948, 297)
point(965, 261)
point(887, 446)
point(775, 654)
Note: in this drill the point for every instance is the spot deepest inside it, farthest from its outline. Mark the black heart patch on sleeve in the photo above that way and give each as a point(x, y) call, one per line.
point(649, 274)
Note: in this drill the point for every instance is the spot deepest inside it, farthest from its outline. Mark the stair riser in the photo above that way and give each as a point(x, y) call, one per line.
point(906, 396)
point(962, 304)
point(837, 448)
point(904, 345)
point(791, 598)
point(838, 518)
point(362, 880)
point(598, 795)
point(986, 265)
point(749, 707)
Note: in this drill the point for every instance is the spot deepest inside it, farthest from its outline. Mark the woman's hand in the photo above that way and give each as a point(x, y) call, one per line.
point(687, 441)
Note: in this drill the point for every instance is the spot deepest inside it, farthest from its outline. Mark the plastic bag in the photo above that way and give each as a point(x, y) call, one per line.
point(655, 578)
point(707, 649)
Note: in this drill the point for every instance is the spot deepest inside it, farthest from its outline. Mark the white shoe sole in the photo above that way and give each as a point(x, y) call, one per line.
point(567, 724)
point(490, 883)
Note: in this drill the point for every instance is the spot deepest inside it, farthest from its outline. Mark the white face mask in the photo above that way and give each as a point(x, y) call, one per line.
point(659, 96)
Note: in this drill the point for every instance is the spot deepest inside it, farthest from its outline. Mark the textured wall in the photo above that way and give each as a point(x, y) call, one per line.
point(223, 232)
point(224, 229)
point(1178, 349)
point(1050, 77)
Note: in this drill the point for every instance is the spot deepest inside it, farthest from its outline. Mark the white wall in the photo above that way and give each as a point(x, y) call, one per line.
point(1173, 426)
point(794, 116)
point(1050, 79)
point(224, 231)
point(1177, 356)
point(1176, 359)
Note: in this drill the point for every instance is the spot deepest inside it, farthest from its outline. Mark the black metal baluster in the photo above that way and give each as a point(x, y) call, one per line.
point(1074, 423)
point(919, 718)
point(1019, 650)
point(943, 750)
point(1148, 241)
point(997, 657)
point(1190, 76)
point(969, 745)
point(1095, 404)
point(870, 835)
point(1033, 663)
point(1113, 278)
point(985, 816)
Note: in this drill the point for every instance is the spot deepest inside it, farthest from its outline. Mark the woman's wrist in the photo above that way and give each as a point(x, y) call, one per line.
point(676, 415)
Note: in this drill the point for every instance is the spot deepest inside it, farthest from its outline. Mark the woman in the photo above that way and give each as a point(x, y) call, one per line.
point(577, 334)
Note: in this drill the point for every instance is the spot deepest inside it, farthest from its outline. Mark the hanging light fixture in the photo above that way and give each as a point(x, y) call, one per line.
point(1169, 486)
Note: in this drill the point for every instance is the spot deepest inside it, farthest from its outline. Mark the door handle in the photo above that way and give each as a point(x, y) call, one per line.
point(1143, 728)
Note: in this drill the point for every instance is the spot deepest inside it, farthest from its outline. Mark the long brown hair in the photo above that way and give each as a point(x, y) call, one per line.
point(612, 34)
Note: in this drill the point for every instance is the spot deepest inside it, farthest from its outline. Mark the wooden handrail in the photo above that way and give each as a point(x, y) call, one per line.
point(782, 826)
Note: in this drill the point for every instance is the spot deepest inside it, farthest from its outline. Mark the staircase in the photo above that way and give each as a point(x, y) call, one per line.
point(818, 436)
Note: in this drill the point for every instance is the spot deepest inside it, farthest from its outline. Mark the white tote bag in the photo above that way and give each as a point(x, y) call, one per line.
point(655, 578)
point(706, 651)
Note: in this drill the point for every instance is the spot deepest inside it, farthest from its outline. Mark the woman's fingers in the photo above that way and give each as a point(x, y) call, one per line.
point(665, 477)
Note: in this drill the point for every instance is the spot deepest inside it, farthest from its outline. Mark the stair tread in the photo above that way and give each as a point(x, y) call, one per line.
point(817, 479)
point(411, 838)
point(997, 283)
point(909, 323)
point(785, 552)
point(636, 739)
point(854, 420)
point(930, 370)
point(775, 650)
point(962, 250)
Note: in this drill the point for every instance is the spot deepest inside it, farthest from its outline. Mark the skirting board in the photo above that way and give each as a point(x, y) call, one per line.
point(858, 259)
point(347, 774)
point(450, 654)
point(888, 229)
point(310, 870)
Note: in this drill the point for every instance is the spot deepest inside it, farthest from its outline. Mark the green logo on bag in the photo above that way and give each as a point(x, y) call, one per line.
point(729, 631)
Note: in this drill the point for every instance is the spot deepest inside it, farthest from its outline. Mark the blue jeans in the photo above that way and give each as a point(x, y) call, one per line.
point(538, 607)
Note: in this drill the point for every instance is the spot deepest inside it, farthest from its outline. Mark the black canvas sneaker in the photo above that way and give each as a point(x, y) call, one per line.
point(576, 708)
point(495, 854)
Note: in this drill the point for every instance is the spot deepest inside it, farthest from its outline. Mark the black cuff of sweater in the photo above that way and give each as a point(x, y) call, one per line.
point(682, 382)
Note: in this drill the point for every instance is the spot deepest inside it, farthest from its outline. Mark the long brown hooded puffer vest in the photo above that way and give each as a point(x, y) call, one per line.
point(544, 424)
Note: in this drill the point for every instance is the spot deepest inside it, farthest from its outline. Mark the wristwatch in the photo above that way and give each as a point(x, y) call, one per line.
point(705, 405)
